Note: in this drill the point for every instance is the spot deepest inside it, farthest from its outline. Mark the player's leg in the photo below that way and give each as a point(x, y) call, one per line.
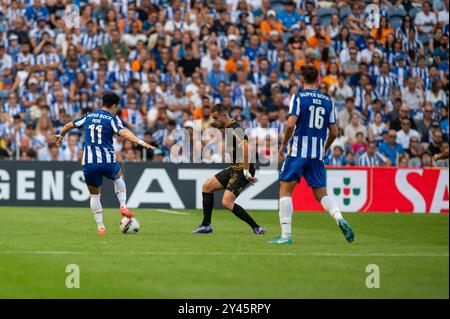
point(96, 207)
point(330, 205)
point(316, 178)
point(290, 175)
point(211, 186)
point(121, 192)
point(228, 201)
point(94, 181)
point(208, 188)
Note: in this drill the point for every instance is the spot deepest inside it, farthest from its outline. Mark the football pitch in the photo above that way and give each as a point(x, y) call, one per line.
point(166, 261)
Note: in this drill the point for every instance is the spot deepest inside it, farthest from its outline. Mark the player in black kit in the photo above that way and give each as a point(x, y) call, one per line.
point(233, 179)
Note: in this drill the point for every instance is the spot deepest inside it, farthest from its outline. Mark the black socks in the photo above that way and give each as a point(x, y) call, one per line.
point(208, 203)
point(243, 215)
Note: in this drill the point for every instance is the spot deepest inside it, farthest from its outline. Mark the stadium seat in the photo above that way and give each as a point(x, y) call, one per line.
point(277, 6)
point(325, 15)
point(343, 14)
point(397, 12)
point(395, 22)
point(396, 17)
point(412, 12)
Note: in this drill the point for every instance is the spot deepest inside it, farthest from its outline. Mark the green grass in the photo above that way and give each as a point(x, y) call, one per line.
point(166, 261)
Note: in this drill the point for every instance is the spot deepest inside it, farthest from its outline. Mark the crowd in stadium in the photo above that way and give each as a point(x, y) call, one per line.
point(172, 60)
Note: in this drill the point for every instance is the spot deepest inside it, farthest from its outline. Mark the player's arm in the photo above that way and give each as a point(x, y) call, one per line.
point(246, 149)
point(57, 139)
point(440, 156)
point(288, 131)
point(332, 134)
point(128, 135)
point(332, 130)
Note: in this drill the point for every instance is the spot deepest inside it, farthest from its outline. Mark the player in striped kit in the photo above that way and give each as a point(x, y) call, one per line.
point(311, 117)
point(99, 159)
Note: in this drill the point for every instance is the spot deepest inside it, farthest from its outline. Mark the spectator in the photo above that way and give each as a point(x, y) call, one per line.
point(412, 95)
point(425, 21)
point(344, 116)
point(336, 158)
point(403, 162)
point(396, 122)
point(340, 92)
point(436, 94)
point(269, 25)
point(427, 160)
point(288, 16)
point(436, 143)
point(372, 157)
point(391, 149)
point(376, 128)
point(353, 128)
point(443, 124)
point(405, 134)
point(189, 64)
point(360, 145)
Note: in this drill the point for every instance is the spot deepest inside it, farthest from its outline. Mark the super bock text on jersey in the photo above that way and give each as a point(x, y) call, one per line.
point(99, 159)
point(315, 112)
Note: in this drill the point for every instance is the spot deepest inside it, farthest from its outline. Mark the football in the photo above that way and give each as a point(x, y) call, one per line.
point(129, 225)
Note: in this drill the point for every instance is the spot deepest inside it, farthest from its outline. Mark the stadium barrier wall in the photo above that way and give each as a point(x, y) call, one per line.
point(378, 189)
point(178, 186)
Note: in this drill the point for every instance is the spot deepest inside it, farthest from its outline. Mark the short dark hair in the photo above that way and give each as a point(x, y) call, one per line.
point(220, 108)
point(309, 74)
point(109, 99)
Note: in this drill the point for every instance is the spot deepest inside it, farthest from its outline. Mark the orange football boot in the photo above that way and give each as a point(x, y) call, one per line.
point(126, 212)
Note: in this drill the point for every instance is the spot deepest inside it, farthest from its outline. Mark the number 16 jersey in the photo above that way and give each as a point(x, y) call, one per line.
point(99, 128)
point(315, 113)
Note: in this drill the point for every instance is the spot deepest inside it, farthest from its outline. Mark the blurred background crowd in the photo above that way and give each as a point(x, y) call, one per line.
point(172, 60)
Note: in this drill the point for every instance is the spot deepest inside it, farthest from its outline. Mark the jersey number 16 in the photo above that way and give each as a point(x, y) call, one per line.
point(316, 118)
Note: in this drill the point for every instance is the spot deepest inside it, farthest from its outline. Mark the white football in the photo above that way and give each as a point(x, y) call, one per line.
point(129, 225)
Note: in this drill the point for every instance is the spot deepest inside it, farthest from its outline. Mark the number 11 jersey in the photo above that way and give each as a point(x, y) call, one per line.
point(99, 128)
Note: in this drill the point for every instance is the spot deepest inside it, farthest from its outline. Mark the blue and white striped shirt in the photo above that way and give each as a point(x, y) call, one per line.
point(376, 160)
point(12, 110)
point(315, 112)
point(99, 128)
point(47, 59)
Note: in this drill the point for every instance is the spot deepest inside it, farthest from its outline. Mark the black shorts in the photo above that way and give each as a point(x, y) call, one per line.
point(233, 180)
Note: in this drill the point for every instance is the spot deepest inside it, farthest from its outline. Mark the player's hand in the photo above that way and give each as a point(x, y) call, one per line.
point(436, 157)
point(56, 139)
point(251, 179)
point(149, 147)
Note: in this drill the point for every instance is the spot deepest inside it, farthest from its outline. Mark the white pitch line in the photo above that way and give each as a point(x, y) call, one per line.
point(150, 253)
point(174, 212)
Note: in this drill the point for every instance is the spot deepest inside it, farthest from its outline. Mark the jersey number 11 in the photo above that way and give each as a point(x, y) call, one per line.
point(97, 128)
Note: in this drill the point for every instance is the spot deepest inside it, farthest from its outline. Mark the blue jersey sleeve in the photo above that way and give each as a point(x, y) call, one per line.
point(79, 121)
point(117, 125)
point(294, 105)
